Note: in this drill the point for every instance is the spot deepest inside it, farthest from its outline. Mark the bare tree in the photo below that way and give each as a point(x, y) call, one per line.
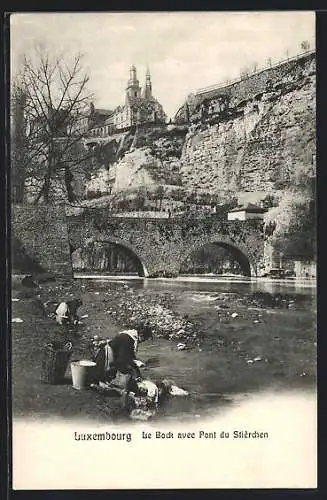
point(159, 194)
point(141, 197)
point(56, 100)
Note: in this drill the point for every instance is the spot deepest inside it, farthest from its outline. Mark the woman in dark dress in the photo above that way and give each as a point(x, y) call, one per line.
point(119, 354)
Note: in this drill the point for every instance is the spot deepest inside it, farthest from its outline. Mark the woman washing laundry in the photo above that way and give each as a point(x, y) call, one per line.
point(119, 370)
point(119, 354)
point(66, 312)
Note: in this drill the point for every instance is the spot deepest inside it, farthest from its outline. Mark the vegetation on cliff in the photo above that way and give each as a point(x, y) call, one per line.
point(294, 220)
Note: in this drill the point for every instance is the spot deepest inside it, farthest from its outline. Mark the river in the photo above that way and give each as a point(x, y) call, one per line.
point(262, 349)
point(208, 283)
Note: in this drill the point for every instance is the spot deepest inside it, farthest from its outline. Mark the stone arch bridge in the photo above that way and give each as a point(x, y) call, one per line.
point(160, 246)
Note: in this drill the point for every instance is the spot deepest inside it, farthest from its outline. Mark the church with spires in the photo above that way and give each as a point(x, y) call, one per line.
point(140, 108)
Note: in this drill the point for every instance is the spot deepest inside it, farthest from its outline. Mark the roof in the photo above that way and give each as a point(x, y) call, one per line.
point(109, 120)
point(250, 208)
point(102, 111)
point(141, 100)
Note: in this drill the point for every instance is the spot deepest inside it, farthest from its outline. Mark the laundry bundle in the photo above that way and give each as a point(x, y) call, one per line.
point(143, 403)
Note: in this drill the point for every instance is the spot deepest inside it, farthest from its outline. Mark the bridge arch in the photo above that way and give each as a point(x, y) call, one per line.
point(129, 249)
point(237, 250)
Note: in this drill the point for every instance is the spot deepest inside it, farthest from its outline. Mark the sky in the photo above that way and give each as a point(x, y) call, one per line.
point(183, 50)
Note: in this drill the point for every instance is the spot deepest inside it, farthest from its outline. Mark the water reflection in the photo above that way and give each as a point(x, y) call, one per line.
point(211, 283)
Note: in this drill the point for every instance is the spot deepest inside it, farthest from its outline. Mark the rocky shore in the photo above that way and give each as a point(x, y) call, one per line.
point(123, 306)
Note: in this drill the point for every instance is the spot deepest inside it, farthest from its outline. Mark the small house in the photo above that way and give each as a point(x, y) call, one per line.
point(246, 212)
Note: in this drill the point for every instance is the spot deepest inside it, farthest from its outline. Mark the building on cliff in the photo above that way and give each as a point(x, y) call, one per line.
point(97, 120)
point(140, 108)
point(246, 212)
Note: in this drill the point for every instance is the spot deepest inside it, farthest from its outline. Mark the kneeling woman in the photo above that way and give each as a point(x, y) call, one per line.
point(119, 354)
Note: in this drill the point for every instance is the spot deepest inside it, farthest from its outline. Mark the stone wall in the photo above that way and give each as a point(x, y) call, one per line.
point(42, 233)
point(249, 86)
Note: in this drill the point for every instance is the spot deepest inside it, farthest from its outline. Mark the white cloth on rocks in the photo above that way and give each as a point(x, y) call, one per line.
point(151, 388)
point(177, 391)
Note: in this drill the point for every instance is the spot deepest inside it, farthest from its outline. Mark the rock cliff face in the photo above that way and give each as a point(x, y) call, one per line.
point(146, 157)
point(264, 142)
point(152, 160)
point(256, 135)
point(134, 170)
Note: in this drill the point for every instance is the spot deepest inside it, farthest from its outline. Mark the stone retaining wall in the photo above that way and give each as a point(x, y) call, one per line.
point(42, 233)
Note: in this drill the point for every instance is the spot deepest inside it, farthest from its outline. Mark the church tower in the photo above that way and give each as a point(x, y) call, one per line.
point(133, 85)
point(147, 91)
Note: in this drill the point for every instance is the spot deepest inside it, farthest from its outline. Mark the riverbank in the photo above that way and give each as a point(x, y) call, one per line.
point(234, 343)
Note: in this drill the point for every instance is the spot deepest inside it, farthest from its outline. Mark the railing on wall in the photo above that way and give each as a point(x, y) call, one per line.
point(227, 84)
point(154, 214)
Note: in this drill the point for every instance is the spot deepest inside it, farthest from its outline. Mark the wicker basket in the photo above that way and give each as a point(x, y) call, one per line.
point(55, 361)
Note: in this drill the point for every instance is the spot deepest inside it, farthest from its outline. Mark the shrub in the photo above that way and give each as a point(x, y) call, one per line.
point(91, 195)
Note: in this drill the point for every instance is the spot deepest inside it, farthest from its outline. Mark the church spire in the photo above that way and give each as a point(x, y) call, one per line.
point(132, 75)
point(148, 85)
point(133, 86)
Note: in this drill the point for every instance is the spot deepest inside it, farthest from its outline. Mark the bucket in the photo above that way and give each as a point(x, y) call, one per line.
point(82, 373)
